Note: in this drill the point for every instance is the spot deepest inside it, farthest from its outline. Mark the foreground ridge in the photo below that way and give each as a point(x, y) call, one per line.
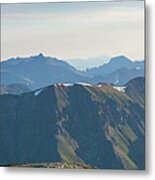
point(59, 165)
point(102, 126)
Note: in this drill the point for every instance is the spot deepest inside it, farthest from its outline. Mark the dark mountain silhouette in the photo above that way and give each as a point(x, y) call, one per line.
point(101, 125)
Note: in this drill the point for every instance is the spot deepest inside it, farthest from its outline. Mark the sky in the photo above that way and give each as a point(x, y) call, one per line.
point(73, 30)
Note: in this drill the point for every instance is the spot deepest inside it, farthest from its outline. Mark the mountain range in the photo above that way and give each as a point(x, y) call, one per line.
point(99, 125)
point(39, 71)
point(118, 71)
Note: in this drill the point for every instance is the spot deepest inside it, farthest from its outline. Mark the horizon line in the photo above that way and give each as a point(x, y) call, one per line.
point(66, 59)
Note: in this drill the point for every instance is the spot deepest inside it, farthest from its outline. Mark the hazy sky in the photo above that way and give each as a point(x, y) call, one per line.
point(71, 30)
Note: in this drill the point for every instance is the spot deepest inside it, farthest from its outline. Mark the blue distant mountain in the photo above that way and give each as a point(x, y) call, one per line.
point(91, 62)
point(39, 71)
point(114, 64)
point(119, 70)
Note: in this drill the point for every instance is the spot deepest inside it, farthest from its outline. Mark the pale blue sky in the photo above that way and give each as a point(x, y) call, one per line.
point(71, 30)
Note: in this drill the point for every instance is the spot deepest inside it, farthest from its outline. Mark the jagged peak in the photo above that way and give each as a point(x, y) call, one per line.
point(38, 56)
point(41, 55)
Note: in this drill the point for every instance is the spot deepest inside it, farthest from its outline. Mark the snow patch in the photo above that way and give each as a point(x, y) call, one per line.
point(67, 84)
point(63, 84)
point(120, 88)
point(57, 85)
point(138, 68)
point(100, 85)
point(116, 80)
point(36, 93)
point(70, 84)
point(84, 84)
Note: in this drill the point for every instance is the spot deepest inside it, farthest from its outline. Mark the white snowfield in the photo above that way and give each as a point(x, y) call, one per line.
point(63, 84)
point(72, 84)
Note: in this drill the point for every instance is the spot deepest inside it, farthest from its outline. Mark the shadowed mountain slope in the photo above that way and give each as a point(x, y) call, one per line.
point(102, 125)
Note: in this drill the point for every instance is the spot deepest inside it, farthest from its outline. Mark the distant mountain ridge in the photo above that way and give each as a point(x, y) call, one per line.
point(119, 70)
point(39, 71)
point(14, 89)
point(114, 64)
point(87, 63)
point(98, 125)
